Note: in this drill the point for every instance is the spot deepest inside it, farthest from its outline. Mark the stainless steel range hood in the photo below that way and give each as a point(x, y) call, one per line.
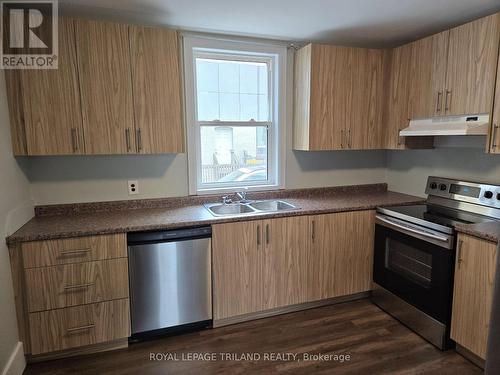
point(450, 125)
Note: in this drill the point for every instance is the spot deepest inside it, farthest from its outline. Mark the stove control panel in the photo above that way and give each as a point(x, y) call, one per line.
point(464, 191)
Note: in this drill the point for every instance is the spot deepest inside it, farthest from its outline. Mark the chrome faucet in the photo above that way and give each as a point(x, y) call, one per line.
point(226, 200)
point(243, 196)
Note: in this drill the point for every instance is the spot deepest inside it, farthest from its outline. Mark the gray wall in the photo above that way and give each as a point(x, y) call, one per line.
point(407, 171)
point(16, 208)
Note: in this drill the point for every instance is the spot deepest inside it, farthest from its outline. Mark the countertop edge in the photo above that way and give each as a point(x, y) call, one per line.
point(487, 235)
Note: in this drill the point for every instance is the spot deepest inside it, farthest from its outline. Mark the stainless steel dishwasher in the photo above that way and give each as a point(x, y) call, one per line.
point(170, 281)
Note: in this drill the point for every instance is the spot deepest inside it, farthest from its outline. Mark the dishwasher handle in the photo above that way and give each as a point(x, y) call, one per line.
point(135, 238)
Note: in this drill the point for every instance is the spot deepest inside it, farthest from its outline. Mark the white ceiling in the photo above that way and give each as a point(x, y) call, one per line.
point(353, 22)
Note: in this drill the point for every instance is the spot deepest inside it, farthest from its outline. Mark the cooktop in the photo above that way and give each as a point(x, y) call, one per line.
point(441, 218)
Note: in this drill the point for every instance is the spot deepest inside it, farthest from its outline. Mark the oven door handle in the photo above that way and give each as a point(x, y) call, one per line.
point(412, 230)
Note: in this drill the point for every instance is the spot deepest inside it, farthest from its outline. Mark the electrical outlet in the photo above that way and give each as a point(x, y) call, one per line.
point(133, 187)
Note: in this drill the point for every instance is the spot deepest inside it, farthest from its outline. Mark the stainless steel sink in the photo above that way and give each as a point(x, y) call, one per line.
point(221, 209)
point(272, 206)
point(253, 207)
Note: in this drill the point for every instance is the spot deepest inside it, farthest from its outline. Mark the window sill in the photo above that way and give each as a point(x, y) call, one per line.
point(234, 189)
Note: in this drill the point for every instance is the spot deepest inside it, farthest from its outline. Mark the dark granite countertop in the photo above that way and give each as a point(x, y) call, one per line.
point(489, 230)
point(62, 221)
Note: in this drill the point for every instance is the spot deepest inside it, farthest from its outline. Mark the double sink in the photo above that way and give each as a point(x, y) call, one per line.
point(251, 207)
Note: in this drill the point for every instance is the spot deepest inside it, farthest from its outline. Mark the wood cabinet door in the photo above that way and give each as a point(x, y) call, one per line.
point(330, 96)
point(285, 260)
point(494, 133)
point(51, 102)
point(364, 126)
point(396, 114)
point(472, 63)
point(473, 293)
point(106, 87)
point(237, 268)
point(342, 254)
point(156, 90)
point(427, 76)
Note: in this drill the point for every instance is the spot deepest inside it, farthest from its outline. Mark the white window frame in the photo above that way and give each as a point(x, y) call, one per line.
point(275, 56)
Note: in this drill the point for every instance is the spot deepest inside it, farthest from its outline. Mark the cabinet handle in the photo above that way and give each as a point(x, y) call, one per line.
point(313, 234)
point(342, 138)
point(459, 253)
point(447, 103)
point(78, 286)
point(258, 235)
point(349, 139)
point(76, 251)
point(81, 328)
point(267, 234)
point(438, 101)
point(74, 140)
point(127, 138)
point(494, 136)
point(139, 140)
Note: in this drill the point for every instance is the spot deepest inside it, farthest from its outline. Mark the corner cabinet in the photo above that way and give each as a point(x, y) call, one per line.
point(117, 91)
point(266, 266)
point(473, 293)
point(338, 98)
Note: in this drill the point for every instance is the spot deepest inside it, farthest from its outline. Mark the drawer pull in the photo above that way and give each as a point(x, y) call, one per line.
point(81, 328)
point(76, 251)
point(78, 286)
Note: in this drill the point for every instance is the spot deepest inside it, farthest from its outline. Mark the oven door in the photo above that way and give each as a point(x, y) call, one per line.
point(416, 264)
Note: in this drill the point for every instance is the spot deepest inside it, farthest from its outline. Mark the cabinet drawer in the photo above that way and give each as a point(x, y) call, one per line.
point(73, 250)
point(79, 326)
point(76, 284)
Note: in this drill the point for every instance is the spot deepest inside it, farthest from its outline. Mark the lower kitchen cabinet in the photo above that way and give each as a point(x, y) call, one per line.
point(268, 264)
point(237, 254)
point(72, 293)
point(78, 326)
point(341, 257)
point(473, 293)
point(257, 265)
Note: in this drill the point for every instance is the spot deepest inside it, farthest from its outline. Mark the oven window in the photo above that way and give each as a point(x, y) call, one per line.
point(408, 262)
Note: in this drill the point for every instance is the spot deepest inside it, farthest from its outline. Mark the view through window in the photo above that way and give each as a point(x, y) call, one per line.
point(233, 116)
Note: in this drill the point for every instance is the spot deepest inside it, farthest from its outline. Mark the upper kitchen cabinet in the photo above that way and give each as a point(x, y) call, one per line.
point(106, 87)
point(471, 66)
point(44, 105)
point(453, 72)
point(494, 138)
point(426, 76)
point(396, 112)
point(338, 98)
point(156, 85)
point(117, 90)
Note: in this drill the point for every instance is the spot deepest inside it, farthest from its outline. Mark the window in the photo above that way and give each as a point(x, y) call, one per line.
point(233, 114)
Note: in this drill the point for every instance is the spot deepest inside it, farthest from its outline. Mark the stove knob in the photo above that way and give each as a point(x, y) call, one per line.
point(442, 187)
point(433, 185)
point(488, 194)
point(498, 196)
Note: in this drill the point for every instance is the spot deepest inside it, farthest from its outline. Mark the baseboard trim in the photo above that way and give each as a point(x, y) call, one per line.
point(16, 363)
point(464, 352)
point(84, 350)
point(288, 309)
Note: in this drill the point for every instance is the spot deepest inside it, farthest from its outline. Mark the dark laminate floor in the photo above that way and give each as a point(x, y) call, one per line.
point(376, 343)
